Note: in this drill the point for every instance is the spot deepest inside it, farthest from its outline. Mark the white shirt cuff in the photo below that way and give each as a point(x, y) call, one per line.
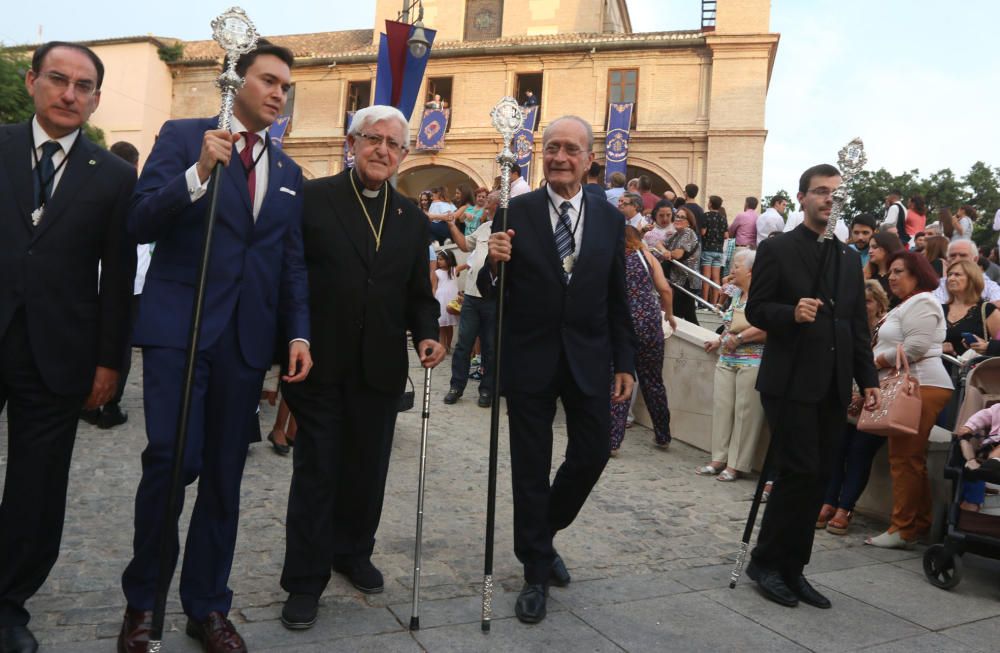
point(308, 346)
point(194, 185)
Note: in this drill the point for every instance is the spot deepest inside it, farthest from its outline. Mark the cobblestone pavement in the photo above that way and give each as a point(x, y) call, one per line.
point(650, 556)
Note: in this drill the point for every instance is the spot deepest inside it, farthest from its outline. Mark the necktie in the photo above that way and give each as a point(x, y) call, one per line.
point(46, 171)
point(564, 234)
point(246, 156)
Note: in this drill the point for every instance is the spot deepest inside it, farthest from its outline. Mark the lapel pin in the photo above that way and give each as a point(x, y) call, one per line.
point(279, 164)
point(92, 162)
point(399, 211)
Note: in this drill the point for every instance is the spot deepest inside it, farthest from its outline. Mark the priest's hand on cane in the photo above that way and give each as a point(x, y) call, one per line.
point(431, 353)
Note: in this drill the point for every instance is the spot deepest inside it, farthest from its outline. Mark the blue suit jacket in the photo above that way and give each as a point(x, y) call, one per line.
point(586, 320)
point(256, 268)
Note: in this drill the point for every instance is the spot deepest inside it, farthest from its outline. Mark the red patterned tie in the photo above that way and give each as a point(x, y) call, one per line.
point(249, 140)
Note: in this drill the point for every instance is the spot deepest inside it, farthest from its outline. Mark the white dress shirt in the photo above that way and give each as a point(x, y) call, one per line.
point(770, 221)
point(197, 189)
point(66, 142)
point(519, 187)
point(576, 216)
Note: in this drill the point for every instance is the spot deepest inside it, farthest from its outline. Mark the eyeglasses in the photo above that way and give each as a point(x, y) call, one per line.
point(570, 149)
point(376, 140)
point(82, 87)
point(821, 191)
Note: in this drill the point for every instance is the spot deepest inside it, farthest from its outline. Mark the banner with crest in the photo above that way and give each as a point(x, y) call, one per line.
point(616, 143)
point(523, 144)
point(276, 131)
point(348, 155)
point(433, 125)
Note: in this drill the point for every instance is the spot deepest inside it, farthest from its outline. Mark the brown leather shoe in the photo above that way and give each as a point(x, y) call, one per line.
point(825, 513)
point(134, 636)
point(217, 634)
point(840, 522)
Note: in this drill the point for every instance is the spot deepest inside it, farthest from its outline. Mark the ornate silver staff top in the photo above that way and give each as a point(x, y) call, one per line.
point(235, 33)
point(507, 119)
point(851, 160)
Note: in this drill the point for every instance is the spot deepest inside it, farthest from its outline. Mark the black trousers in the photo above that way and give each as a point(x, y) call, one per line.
point(340, 462)
point(541, 509)
point(807, 436)
point(40, 437)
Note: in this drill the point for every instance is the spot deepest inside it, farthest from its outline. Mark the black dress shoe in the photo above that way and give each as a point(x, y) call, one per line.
point(560, 575)
point(136, 628)
point(530, 606)
point(90, 416)
point(808, 593)
point(772, 586)
point(300, 611)
point(111, 416)
point(362, 574)
point(485, 400)
point(17, 639)
point(452, 396)
point(280, 449)
point(217, 634)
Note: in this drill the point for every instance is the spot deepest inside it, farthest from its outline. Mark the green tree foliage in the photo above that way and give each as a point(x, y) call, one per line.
point(15, 103)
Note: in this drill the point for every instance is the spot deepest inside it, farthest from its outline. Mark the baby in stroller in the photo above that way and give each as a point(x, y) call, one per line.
point(979, 439)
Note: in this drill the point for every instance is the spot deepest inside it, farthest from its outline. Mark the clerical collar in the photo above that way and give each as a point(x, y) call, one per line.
point(367, 192)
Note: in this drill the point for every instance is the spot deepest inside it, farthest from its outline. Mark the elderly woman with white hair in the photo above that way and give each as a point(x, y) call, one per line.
point(738, 417)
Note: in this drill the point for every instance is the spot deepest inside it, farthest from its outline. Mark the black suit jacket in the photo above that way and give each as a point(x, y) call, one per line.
point(75, 322)
point(587, 320)
point(835, 348)
point(360, 309)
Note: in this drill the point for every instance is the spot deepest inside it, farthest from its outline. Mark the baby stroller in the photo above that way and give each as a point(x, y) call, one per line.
point(966, 532)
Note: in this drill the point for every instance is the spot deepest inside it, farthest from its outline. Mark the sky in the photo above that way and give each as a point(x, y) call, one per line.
point(916, 79)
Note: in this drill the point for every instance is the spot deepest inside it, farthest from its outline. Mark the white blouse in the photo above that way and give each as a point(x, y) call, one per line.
point(919, 325)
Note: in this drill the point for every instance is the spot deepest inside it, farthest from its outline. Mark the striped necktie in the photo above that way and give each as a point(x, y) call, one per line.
point(564, 233)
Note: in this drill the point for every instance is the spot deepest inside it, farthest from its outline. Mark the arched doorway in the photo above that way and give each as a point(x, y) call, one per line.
point(411, 182)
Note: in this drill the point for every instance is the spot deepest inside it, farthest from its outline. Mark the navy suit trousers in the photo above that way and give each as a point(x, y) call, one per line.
point(224, 400)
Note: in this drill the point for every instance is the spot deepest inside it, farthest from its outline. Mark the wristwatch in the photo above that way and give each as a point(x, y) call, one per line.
point(739, 338)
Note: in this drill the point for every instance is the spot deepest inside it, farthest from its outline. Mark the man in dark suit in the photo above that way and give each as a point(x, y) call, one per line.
point(62, 330)
point(817, 341)
point(566, 325)
point(366, 247)
point(257, 289)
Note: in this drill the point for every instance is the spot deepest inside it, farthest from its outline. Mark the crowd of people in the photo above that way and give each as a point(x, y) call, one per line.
point(345, 274)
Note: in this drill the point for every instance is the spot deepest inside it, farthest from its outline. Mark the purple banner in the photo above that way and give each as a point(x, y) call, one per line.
point(530, 117)
point(430, 137)
point(348, 155)
point(277, 130)
point(523, 146)
point(616, 143)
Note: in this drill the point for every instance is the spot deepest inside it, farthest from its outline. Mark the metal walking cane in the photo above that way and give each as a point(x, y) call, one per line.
point(507, 119)
point(235, 33)
point(418, 546)
point(851, 159)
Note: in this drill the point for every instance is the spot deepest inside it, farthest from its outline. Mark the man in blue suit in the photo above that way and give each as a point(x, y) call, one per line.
point(256, 275)
point(566, 326)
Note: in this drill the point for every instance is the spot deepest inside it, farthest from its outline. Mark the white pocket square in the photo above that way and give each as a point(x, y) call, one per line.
point(287, 190)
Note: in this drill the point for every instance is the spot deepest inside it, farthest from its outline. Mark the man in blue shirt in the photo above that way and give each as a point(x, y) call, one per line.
point(862, 230)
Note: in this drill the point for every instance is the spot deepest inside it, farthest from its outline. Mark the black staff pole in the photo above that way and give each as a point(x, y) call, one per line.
point(507, 118)
point(236, 34)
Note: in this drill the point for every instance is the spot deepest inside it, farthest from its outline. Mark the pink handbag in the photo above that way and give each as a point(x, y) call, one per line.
point(899, 413)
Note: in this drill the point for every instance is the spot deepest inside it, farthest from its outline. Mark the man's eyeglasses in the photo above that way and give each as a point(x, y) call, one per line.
point(822, 191)
point(376, 140)
point(82, 87)
point(571, 150)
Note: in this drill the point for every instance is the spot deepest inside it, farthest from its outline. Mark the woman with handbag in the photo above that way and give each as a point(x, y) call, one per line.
point(915, 328)
point(737, 415)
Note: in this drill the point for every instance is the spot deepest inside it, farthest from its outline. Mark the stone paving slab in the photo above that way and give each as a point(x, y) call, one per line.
point(929, 643)
point(908, 595)
point(980, 635)
point(688, 623)
point(561, 631)
point(849, 625)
